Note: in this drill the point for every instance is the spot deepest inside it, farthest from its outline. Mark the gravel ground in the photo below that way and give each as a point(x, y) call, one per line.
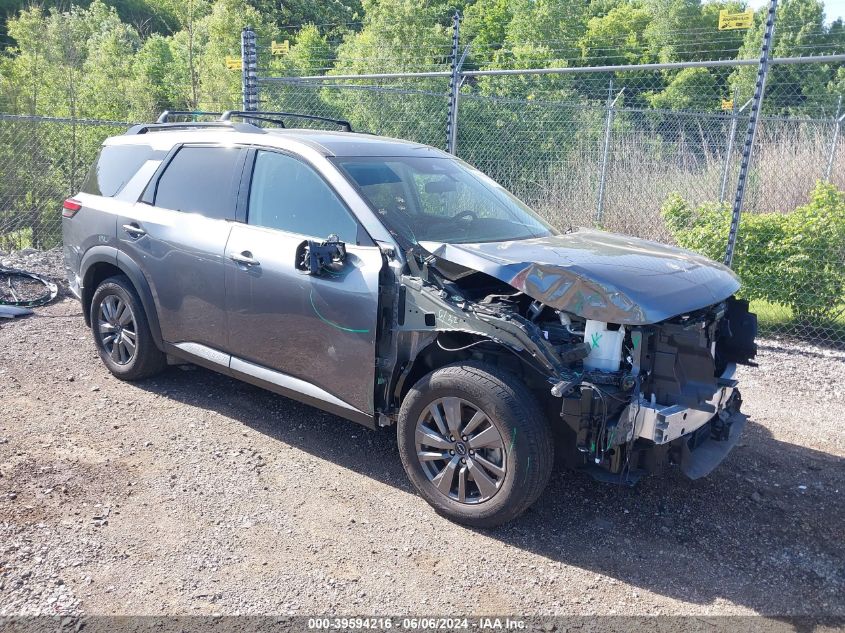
point(196, 494)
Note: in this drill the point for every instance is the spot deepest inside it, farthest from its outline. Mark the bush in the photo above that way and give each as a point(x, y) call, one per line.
point(796, 259)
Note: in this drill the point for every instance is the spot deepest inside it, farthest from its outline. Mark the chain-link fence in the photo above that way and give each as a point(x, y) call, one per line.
point(636, 151)
point(640, 152)
point(44, 161)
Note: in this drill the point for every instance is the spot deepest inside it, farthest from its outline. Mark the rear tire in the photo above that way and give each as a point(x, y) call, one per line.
point(122, 333)
point(496, 455)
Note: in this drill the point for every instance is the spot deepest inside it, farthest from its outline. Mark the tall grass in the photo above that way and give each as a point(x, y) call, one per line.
point(644, 168)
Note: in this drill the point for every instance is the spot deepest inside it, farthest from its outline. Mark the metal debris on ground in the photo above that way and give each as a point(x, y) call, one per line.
point(24, 290)
point(10, 312)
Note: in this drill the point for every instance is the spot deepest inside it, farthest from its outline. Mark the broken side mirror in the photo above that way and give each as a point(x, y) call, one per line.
point(313, 257)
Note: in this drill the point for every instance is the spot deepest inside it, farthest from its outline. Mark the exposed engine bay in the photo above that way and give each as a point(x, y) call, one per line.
point(624, 399)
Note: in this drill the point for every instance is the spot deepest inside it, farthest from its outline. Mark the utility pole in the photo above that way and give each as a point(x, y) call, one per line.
point(751, 132)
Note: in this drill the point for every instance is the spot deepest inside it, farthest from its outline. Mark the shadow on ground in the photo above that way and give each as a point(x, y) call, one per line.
point(765, 528)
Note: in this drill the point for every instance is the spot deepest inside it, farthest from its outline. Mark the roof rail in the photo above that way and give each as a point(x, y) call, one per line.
point(273, 117)
point(144, 128)
point(165, 122)
point(165, 116)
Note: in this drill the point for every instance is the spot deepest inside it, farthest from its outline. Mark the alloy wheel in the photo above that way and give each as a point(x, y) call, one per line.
point(118, 333)
point(460, 450)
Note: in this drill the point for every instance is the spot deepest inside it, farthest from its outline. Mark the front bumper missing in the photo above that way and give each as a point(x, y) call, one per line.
point(662, 424)
point(700, 437)
point(700, 461)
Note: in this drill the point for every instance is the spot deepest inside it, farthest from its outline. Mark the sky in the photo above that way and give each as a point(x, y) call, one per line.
point(833, 8)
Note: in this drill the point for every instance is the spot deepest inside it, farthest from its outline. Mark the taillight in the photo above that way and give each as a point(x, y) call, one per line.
point(70, 207)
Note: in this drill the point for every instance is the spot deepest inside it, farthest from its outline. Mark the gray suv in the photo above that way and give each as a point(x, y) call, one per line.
point(391, 283)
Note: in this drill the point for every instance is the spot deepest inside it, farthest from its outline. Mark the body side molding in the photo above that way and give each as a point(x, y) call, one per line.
point(269, 379)
point(298, 390)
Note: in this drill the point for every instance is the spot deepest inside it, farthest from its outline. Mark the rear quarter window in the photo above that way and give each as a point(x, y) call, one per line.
point(114, 167)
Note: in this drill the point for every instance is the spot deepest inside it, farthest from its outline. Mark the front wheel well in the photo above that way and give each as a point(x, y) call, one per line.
point(452, 347)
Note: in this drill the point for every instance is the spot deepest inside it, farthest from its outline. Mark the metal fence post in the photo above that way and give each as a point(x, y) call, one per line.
point(751, 132)
point(249, 70)
point(608, 125)
point(731, 139)
point(454, 87)
point(837, 124)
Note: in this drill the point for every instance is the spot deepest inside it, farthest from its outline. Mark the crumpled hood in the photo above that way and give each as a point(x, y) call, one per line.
point(599, 275)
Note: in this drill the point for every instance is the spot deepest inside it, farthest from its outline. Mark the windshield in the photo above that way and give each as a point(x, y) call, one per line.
point(440, 200)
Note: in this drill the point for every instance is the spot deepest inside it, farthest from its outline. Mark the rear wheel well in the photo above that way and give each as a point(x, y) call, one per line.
point(94, 276)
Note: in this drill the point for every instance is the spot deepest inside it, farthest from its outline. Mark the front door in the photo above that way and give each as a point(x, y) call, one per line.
point(315, 333)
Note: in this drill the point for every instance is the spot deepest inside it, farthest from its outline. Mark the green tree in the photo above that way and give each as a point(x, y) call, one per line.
point(540, 34)
point(617, 37)
point(690, 89)
point(555, 25)
point(800, 31)
point(219, 36)
point(485, 24)
point(187, 13)
point(105, 89)
point(399, 35)
point(685, 30)
point(329, 14)
point(155, 80)
point(311, 54)
point(25, 67)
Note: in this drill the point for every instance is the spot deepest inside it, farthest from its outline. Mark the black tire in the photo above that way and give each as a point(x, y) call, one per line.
point(146, 360)
point(512, 409)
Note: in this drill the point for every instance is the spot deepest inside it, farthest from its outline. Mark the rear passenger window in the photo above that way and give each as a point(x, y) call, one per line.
point(202, 180)
point(115, 166)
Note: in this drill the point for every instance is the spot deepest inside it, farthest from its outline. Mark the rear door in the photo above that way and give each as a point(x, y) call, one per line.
point(177, 234)
point(316, 334)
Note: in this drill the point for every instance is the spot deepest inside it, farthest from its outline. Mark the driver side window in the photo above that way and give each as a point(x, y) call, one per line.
point(288, 195)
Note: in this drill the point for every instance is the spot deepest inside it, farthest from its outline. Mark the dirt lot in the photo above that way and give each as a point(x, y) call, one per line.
point(193, 493)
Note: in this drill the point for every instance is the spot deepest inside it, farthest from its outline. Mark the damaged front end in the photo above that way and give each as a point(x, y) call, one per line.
point(673, 400)
point(625, 397)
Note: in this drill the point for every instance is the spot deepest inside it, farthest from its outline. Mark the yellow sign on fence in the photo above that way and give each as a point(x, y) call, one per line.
point(233, 63)
point(731, 21)
point(280, 48)
point(727, 104)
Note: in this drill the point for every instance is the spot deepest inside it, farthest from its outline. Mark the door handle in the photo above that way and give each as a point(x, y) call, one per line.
point(244, 258)
point(134, 229)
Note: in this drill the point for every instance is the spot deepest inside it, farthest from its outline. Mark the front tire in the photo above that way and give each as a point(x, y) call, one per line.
point(475, 443)
point(122, 332)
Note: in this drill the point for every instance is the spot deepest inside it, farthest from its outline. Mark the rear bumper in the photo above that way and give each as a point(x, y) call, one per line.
point(74, 284)
point(71, 262)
